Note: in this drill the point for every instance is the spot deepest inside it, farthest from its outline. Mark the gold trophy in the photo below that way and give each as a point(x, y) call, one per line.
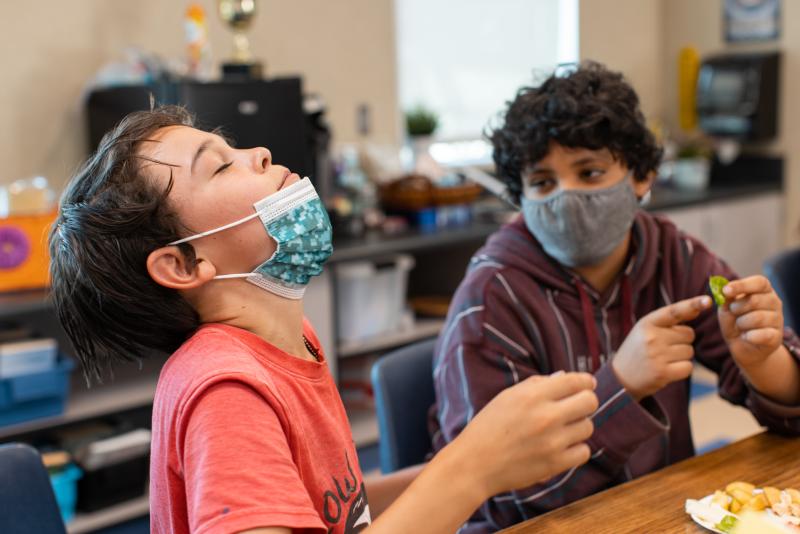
point(238, 14)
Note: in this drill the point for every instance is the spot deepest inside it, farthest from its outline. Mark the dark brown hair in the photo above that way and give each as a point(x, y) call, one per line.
point(590, 107)
point(110, 218)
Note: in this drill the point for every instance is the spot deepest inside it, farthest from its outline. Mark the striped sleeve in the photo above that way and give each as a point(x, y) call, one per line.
point(490, 345)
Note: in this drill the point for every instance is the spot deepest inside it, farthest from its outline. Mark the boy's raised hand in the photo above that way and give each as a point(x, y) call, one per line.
point(751, 320)
point(658, 350)
point(530, 432)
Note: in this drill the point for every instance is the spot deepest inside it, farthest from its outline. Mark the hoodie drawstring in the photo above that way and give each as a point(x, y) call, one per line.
point(589, 325)
point(592, 337)
point(627, 307)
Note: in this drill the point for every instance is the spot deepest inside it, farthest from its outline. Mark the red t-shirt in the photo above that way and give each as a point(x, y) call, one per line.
point(247, 436)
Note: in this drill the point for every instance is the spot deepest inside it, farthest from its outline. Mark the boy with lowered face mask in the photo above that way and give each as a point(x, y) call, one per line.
point(584, 280)
point(168, 239)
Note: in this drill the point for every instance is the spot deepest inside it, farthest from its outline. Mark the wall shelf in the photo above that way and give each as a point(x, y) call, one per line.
point(22, 302)
point(422, 329)
point(113, 515)
point(95, 402)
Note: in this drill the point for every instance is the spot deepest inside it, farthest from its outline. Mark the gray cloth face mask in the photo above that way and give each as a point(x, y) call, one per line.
point(581, 227)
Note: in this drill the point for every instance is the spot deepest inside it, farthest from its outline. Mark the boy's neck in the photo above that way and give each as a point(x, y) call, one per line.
point(277, 320)
point(601, 276)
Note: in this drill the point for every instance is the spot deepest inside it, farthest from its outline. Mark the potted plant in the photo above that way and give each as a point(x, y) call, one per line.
point(692, 166)
point(421, 123)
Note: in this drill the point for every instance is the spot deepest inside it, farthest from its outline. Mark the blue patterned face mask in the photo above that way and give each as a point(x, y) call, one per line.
point(295, 219)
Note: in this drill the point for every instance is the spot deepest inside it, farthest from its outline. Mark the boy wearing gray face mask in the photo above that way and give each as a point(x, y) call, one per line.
point(585, 280)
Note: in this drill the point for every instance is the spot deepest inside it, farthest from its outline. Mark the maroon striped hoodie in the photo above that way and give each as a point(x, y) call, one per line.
point(519, 313)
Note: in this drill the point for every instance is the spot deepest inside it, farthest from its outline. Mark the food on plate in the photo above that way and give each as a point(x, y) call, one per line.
point(738, 485)
point(773, 495)
point(716, 283)
point(722, 499)
point(724, 509)
point(727, 524)
point(709, 513)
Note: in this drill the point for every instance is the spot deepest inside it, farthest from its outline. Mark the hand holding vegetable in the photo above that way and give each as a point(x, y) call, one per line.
point(751, 318)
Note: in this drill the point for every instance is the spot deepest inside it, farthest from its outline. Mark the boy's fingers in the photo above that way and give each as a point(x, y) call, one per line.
point(679, 370)
point(758, 319)
point(679, 312)
point(557, 387)
point(575, 433)
point(763, 336)
point(680, 353)
point(574, 456)
point(680, 334)
point(747, 286)
point(759, 301)
point(577, 407)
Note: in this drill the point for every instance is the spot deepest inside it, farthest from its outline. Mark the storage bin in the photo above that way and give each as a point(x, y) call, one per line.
point(371, 297)
point(28, 356)
point(115, 470)
point(35, 395)
point(65, 487)
point(113, 484)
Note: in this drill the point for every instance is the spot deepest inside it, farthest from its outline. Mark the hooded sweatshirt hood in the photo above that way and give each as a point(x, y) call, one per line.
point(515, 247)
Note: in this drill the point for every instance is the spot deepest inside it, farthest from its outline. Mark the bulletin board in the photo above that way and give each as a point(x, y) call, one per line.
point(752, 20)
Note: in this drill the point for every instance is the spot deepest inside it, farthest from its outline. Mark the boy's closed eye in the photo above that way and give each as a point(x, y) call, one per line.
point(222, 168)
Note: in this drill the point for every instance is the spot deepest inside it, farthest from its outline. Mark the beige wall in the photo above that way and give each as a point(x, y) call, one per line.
point(627, 35)
point(699, 23)
point(49, 49)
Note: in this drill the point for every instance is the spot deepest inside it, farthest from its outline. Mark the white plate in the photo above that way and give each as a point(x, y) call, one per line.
point(703, 523)
point(710, 526)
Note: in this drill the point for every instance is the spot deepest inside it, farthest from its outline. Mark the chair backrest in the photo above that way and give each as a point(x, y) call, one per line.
point(403, 385)
point(783, 272)
point(27, 502)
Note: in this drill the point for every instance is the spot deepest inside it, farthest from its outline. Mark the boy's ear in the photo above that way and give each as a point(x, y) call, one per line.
point(169, 267)
point(642, 187)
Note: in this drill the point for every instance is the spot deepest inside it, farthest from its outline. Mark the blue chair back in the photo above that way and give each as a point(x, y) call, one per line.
point(783, 272)
point(403, 385)
point(27, 502)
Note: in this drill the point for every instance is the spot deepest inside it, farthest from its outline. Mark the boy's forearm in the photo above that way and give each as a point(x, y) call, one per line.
point(383, 490)
point(439, 500)
point(777, 377)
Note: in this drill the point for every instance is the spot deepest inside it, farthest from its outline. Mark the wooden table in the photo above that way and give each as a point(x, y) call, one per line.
point(655, 502)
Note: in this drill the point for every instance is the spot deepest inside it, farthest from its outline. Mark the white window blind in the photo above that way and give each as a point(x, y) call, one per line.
point(464, 59)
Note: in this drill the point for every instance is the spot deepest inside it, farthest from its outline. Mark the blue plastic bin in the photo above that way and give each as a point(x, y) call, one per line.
point(65, 486)
point(35, 395)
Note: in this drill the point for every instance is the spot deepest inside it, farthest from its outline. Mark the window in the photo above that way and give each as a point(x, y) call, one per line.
point(465, 59)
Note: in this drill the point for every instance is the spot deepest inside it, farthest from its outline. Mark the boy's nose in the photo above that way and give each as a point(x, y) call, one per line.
point(262, 159)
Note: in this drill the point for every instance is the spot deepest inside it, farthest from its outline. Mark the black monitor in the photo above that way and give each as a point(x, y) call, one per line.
point(737, 95)
point(251, 113)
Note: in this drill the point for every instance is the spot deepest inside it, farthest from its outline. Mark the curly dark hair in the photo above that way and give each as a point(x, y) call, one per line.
point(591, 107)
point(110, 218)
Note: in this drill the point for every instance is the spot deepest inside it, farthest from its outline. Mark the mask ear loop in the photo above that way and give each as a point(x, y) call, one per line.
point(215, 230)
